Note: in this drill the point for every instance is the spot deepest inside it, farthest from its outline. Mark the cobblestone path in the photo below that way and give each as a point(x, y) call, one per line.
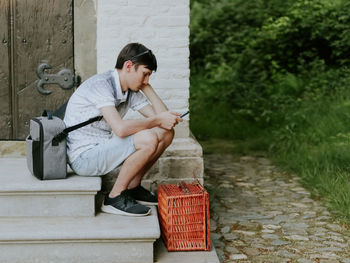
point(259, 214)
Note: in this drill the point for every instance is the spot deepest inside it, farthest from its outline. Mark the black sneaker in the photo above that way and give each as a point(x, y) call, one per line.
point(124, 204)
point(143, 196)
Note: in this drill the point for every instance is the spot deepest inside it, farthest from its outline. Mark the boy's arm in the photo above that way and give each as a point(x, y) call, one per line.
point(157, 104)
point(147, 111)
point(122, 128)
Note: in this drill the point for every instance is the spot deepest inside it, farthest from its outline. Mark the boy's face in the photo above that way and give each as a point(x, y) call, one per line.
point(138, 78)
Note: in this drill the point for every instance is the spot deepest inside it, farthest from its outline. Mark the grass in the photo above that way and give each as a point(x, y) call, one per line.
point(319, 152)
point(313, 142)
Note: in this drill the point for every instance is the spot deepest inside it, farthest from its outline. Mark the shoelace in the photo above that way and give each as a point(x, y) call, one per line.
point(128, 199)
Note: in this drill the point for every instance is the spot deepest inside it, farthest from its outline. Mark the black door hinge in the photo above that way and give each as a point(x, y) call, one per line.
point(64, 78)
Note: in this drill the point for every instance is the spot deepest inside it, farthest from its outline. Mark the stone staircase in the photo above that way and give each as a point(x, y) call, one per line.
point(59, 221)
point(55, 221)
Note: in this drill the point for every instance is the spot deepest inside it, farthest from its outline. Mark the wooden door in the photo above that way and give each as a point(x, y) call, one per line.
point(40, 31)
point(5, 102)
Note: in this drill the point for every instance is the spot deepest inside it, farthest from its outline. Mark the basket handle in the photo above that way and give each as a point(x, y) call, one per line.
point(182, 185)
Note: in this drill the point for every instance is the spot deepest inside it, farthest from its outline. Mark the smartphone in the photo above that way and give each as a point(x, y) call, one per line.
point(184, 114)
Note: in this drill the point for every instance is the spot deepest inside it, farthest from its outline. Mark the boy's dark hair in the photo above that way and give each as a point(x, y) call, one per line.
point(138, 54)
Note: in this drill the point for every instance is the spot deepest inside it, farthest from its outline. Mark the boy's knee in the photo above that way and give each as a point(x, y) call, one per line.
point(165, 136)
point(146, 140)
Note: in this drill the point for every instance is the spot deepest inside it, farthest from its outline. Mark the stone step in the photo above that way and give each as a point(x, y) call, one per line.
point(180, 147)
point(161, 255)
point(23, 195)
point(104, 238)
point(181, 161)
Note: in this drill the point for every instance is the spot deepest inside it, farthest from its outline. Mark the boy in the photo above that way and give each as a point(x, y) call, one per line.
point(100, 147)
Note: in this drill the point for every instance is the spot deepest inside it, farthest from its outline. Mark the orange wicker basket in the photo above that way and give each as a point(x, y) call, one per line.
point(184, 216)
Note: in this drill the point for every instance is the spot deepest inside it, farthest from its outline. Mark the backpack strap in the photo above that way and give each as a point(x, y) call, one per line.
point(47, 114)
point(61, 110)
point(62, 135)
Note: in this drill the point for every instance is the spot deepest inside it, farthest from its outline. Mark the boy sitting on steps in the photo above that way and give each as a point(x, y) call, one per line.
point(100, 147)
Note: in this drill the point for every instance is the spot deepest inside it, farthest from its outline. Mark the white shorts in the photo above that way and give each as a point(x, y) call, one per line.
point(104, 157)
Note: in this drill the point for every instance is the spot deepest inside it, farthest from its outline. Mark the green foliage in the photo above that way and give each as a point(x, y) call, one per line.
point(276, 75)
point(315, 144)
point(260, 56)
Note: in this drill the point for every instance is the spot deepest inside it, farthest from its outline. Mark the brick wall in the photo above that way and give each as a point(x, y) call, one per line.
point(161, 25)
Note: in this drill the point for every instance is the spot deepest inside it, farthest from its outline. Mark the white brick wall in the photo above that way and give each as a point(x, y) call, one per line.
point(162, 26)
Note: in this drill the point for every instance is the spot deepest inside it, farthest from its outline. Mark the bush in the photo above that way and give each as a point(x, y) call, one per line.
point(259, 58)
point(275, 74)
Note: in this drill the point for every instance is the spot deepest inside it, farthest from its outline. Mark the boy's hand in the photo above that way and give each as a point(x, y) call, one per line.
point(168, 120)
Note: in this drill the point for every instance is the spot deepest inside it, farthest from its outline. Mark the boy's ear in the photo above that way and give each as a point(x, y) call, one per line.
point(128, 65)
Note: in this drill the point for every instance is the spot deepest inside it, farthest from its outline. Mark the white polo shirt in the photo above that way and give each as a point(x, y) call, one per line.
point(96, 92)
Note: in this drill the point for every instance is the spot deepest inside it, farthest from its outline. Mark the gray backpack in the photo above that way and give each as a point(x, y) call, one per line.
point(46, 146)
